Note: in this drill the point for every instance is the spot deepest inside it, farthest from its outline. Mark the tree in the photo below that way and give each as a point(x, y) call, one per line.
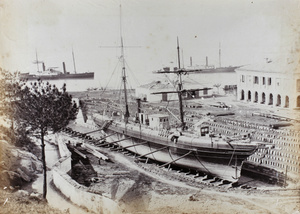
point(44, 108)
point(9, 84)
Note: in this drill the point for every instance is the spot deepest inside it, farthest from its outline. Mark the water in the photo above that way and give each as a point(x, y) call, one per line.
point(74, 85)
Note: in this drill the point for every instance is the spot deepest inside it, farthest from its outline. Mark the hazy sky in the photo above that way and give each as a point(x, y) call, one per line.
point(248, 31)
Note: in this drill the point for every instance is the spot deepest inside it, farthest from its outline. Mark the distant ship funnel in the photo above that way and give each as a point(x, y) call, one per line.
point(64, 68)
point(44, 68)
point(206, 61)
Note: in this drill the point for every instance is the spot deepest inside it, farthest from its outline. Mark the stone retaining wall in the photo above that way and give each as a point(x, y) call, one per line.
point(77, 193)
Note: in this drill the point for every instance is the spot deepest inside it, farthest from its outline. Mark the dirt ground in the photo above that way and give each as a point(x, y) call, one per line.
point(145, 188)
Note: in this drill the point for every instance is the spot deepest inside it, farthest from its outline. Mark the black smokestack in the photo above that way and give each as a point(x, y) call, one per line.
point(64, 67)
point(44, 68)
point(138, 105)
point(206, 61)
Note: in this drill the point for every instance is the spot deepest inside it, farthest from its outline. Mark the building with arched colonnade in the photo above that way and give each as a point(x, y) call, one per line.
point(272, 83)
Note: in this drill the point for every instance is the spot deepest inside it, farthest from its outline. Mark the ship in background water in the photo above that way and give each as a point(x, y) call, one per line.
point(52, 74)
point(207, 68)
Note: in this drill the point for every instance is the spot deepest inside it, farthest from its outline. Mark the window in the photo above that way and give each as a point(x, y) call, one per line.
point(277, 82)
point(269, 81)
point(298, 85)
point(243, 78)
point(263, 80)
point(256, 80)
point(205, 91)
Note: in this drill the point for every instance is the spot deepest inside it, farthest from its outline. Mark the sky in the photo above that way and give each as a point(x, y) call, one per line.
point(247, 32)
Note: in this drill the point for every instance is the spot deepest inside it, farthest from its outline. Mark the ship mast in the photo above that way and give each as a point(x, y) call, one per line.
point(180, 89)
point(74, 61)
point(37, 61)
point(220, 55)
point(126, 115)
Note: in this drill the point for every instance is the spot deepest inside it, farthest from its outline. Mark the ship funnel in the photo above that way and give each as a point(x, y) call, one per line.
point(64, 68)
point(138, 105)
point(44, 68)
point(206, 61)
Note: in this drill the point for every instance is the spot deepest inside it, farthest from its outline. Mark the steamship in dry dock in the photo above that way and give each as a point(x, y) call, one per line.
point(151, 136)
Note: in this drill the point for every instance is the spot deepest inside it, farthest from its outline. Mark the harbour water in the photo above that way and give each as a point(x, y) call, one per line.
point(75, 85)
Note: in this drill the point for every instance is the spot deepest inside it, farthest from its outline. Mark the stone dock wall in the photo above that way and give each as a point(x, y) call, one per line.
point(77, 193)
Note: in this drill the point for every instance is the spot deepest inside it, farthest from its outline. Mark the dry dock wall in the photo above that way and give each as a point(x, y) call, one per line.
point(77, 193)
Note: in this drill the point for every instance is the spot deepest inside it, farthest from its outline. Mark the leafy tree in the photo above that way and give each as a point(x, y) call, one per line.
point(44, 108)
point(9, 84)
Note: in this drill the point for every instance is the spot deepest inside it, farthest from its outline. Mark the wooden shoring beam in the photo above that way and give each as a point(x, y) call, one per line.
point(104, 137)
point(137, 144)
point(153, 151)
point(175, 159)
point(114, 142)
point(92, 131)
point(79, 153)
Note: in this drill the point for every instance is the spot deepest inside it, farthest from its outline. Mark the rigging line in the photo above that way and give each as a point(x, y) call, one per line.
point(201, 163)
point(229, 161)
point(201, 83)
point(110, 78)
point(134, 77)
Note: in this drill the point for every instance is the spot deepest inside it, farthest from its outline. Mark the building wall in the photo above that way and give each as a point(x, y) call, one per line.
point(270, 89)
point(146, 94)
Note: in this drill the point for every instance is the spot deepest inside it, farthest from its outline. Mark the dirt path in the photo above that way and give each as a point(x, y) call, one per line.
point(54, 198)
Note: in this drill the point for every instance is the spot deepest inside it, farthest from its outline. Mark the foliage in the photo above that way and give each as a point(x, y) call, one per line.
point(35, 108)
point(43, 107)
point(9, 85)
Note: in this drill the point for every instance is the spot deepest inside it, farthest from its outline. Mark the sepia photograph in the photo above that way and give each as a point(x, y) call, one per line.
point(150, 107)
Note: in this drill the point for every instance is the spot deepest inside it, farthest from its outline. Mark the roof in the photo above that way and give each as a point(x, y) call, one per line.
point(187, 84)
point(280, 65)
point(158, 115)
point(157, 85)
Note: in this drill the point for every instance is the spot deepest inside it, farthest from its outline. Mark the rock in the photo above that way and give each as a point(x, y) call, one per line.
point(35, 196)
point(22, 193)
point(23, 175)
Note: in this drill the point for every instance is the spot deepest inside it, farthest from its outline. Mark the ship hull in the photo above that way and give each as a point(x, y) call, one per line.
point(262, 173)
point(217, 70)
point(220, 162)
point(89, 75)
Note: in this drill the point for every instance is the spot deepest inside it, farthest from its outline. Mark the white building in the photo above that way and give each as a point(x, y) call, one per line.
point(145, 92)
point(272, 83)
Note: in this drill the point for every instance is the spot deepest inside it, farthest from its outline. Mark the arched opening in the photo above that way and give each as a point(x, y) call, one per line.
point(256, 97)
point(263, 98)
point(249, 96)
point(242, 95)
point(287, 102)
point(298, 101)
point(271, 99)
point(278, 100)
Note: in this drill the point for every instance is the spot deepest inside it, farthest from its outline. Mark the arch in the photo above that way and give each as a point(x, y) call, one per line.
point(263, 98)
point(271, 99)
point(278, 100)
point(256, 97)
point(249, 96)
point(287, 102)
point(242, 95)
point(298, 101)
